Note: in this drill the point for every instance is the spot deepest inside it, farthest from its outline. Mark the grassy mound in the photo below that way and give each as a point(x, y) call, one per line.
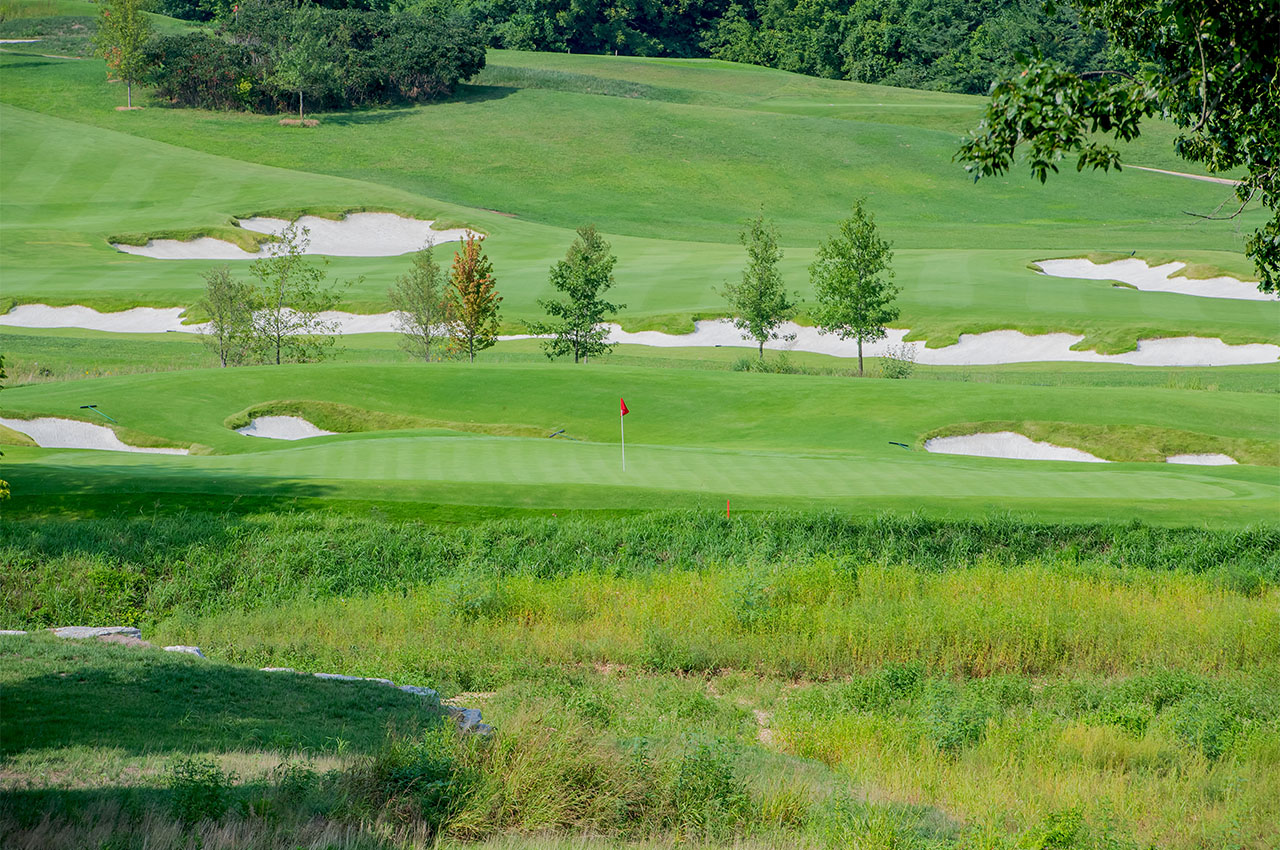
point(348, 419)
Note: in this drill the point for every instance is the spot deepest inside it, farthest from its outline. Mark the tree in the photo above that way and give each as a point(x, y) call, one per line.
point(418, 299)
point(853, 281)
point(229, 304)
point(472, 300)
point(291, 295)
point(584, 275)
point(760, 303)
point(302, 62)
point(1210, 65)
point(123, 32)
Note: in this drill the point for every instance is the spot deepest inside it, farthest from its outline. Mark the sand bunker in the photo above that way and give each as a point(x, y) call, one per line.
point(1007, 444)
point(357, 235)
point(282, 428)
point(984, 349)
point(1155, 278)
point(51, 433)
point(139, 320)
point(1203, 459)
point(991, 348)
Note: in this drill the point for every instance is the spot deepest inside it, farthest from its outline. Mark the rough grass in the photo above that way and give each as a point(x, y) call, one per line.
point(137, 570)
point(1124, 443)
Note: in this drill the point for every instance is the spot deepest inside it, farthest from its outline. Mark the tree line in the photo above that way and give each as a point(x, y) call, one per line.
point(278, 315)
point(948, 45)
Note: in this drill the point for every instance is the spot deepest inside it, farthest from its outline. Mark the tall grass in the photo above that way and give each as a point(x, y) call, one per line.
point(142, 570)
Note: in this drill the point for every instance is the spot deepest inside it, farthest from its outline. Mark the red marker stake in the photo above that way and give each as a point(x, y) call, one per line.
point(726, 508)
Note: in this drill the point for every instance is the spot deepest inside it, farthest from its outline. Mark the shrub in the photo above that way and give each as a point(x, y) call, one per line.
point(196, 70)
point(898, 361)
point(703, 795)
point(414, 778)
point(201, 790)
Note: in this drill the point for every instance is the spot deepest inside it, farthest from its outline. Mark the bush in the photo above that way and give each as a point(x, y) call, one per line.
point(898, 361)
point(415, 778)
point(201, 791)
point(703, 795)
point(197, 70)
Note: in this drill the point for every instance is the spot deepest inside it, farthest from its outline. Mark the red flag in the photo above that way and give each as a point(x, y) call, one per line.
point(624, 407)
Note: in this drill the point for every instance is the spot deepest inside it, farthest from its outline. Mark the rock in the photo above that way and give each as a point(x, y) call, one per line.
point(12, 632)
point(190, 650)
point(277, 670)
point(467, 718)
point(341, 678)
point(420, 691)
point(126, 640)
point(80, 632)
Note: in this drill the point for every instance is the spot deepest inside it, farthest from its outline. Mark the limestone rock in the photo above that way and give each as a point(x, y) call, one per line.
point(12, 632)
point(80, 632)
point(190, 650)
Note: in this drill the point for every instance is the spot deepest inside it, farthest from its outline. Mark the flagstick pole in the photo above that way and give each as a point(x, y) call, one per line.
point(622, 424)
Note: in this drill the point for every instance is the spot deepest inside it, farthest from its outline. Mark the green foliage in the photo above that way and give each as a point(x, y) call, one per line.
point(268, 55)
point(898, 362)
point(289, 298)
point(577, 322)
point(416, 779)
point(418, 298)
point(200, 788)
point(760, 303)
point(123, 32)
point(852, 279)
point(1211, 70)
point(703, 795)
point(302, 60)
point(229, 304)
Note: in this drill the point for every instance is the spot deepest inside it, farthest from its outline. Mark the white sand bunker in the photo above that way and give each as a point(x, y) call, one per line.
point(1007, 444)
point(356, 235)
point(52, 433)
point(985, 349)
point(282, 428)
point(138, 320)
point(1203, 459)
point(1156, 278)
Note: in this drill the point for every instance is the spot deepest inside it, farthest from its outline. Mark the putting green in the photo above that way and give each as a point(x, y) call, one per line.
point(766, 440)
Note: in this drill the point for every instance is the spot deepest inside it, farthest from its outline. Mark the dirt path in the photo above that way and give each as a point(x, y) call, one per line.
point(1206, 178)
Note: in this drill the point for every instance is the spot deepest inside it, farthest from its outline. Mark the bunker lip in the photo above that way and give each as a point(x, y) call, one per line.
point(984, 349)
point(282, 428)
point(1007, 444)
point(1138, 274)
point(355, 235)
point(54, 433)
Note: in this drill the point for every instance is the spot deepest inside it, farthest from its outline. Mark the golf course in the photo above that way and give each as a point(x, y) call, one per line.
point(708, 589)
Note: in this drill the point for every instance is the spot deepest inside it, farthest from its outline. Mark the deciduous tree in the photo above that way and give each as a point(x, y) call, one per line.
point(577, 322)
point(123, 32)
point(1212, 66)
point(303, 61)
point(291, 295)
point(853, 281)
point(418, 299)
point(229, 305)
point(760, 303)
point(472, 300)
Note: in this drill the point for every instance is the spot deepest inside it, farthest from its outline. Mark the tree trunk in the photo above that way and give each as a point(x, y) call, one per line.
point(128, 87)
point(299, 104)
point(761, 348)
point(859, 355)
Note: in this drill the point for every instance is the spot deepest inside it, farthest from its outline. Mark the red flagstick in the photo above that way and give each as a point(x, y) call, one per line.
point(622, 426)
point(726, 508)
